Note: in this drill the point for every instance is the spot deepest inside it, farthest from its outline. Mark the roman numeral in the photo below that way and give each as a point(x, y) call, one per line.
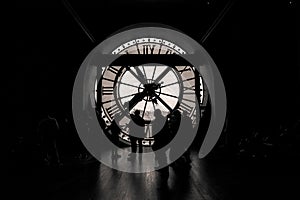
point(169, 51)
point(159, 50)
point(189, 100)
point(108, 101)
point(148, 48)
point(125, 137)
point(113, 70)
point(184, 70)
point(188, 79)
point(189, 90)
point(107, 90)
point(107, 79)
point(113, 110)
point(186, 107)
point(138, 50)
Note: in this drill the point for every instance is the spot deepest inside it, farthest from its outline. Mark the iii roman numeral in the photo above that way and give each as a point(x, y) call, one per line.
point(107, 90)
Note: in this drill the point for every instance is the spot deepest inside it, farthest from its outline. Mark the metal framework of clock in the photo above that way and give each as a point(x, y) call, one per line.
point(159, 87)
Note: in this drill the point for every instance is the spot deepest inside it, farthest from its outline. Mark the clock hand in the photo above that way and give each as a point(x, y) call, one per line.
point(119, 98)
point(163, 102)
point(144, 72)
point(162, 75)
point(129, 85)
point(137, 98)
point(153, 72)
point(139, 76)
point(168, 95)
point(177, 82)
point(145, 107)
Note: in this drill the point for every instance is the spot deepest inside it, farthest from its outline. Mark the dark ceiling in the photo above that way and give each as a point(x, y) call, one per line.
point(254, 45)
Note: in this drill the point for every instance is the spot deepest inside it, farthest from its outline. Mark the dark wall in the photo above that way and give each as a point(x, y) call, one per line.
point(254, 46)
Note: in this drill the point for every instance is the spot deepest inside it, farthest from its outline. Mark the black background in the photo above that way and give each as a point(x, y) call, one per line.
point(254, 47)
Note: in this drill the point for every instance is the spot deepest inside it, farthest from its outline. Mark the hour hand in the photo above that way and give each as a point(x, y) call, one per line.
point(137, 98)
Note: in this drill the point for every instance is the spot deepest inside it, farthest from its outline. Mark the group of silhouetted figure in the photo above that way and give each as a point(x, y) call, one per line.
point(164, 129)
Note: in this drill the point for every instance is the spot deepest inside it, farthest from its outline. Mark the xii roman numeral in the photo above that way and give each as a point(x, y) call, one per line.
point(148, 49)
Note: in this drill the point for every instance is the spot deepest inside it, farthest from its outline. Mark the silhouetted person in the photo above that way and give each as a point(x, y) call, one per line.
point(160, 130)
point(48, 129)
point(174, 122)
point(115, 131)
point(180, 122)
point(137, 131)
point(161, 135)
point(188, 129)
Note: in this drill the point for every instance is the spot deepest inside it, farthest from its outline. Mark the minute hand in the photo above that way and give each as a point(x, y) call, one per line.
point(163, 74)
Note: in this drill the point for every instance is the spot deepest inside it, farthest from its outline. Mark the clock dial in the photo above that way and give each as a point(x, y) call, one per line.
point(124, 89)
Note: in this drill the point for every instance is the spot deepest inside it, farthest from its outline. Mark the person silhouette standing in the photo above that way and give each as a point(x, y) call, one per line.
point(115, 131)
point(161, 137)
point(137, 131)
point(186, 127)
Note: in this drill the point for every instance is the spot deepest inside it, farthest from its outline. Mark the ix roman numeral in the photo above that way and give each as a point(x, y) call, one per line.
point(189, 90)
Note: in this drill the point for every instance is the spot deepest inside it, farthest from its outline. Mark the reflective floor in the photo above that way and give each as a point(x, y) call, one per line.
point(208, 179)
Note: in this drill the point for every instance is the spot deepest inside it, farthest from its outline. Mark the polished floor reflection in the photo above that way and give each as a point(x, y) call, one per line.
point(207, 179)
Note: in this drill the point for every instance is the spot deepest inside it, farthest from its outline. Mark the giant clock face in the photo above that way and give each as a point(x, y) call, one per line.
point(147, 68)
point(122, 89)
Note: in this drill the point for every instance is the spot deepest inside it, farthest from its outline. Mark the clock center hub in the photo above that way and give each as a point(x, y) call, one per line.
point(151, 89)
